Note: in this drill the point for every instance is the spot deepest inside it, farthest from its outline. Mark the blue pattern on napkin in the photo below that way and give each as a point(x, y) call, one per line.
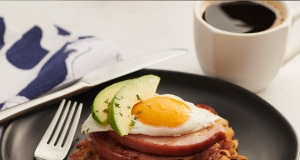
point(62, 31)
point(52, 73)
point(2, 30)
point(27, 52)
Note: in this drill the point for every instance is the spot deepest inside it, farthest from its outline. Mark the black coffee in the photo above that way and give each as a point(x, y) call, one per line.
point(240, 16)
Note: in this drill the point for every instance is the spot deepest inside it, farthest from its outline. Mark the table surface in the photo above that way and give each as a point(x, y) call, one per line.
point(145, 26)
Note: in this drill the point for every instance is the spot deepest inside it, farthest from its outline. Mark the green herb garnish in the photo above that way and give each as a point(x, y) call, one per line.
point(132, 123)
point(138, 97)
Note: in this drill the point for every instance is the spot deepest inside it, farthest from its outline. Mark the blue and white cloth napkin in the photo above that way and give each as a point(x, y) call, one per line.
point(45, 58)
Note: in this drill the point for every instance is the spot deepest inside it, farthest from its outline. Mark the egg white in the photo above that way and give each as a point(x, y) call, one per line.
point(199, 119)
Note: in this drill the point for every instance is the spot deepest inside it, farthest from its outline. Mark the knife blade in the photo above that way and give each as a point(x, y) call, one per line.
point(93, 78)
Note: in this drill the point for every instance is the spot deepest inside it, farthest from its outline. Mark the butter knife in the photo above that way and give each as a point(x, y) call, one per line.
point(93, 78)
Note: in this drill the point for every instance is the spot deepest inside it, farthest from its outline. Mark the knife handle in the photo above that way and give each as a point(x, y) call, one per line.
point(38, 103)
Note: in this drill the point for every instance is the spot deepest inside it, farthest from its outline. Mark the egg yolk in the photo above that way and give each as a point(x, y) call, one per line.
point(161, 111)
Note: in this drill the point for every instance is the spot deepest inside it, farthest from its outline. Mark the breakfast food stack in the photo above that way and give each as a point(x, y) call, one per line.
point(129, 120)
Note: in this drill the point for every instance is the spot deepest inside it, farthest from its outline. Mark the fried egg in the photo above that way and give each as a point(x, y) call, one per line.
point(162, 115)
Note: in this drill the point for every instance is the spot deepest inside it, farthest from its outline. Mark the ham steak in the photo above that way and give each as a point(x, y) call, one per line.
point(184, 145)
point(111, 150)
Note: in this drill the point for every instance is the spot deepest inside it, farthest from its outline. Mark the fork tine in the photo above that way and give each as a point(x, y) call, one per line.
point(66, 126)
point(73, 127)
point(60, 125)
point(50, 129)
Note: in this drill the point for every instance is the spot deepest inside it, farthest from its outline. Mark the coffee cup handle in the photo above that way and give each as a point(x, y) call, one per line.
point(295, 49)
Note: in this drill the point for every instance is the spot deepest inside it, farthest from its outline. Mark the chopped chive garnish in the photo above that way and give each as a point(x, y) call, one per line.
point(105, 110)
point(132, 123)
point(106, 101)
point(128, 107)
point(139, 112)
point(121, 114)
point(135, 118)
point(117, 105)
point(138, 97)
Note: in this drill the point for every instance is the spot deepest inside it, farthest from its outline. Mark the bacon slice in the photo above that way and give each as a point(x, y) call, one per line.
point(85, 151)
point(209, 108)
point(184, 145)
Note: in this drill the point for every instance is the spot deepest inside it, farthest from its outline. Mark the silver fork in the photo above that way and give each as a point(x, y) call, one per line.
point(55, 144)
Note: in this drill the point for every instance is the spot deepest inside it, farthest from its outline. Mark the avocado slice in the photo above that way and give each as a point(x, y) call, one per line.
point(102, 100)
point(119, 110)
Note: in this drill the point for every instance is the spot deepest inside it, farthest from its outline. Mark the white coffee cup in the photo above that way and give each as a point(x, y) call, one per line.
point(250, 60)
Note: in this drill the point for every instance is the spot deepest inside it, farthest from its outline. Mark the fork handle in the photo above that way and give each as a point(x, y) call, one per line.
point(19, 110)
